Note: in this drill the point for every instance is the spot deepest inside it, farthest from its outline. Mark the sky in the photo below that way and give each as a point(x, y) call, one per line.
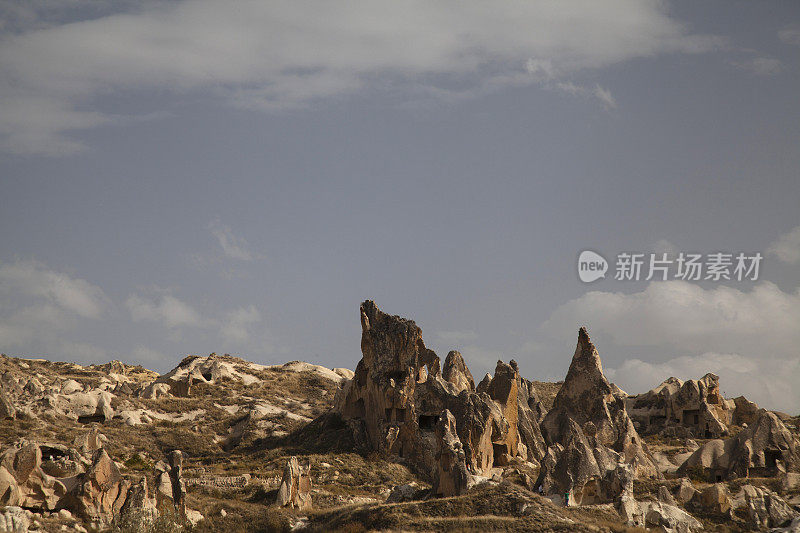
point(236, 177)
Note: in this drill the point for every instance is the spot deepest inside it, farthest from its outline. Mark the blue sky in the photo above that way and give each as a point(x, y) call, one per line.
point(235, 177)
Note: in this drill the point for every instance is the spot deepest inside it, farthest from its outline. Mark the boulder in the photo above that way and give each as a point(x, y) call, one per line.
point(402, 493)
point(657, 516)
point(764, 507)
point(685, 491)
point(154, 390)
point(92, 406)
point(716, 498)
point(90, 441)
point(70, 386)
point(101, 491)
point(23, 482)
point(295, 488)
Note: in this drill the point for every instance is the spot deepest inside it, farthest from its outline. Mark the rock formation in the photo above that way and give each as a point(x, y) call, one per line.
point(7, 409)
point(764, 508)
point(398, 393)
point(24, 481)
point(694, 408)
point(452, 477)
point(14, 519)
point(171, 488)
point(295, 488)
point(762, 448)
point(100, 492)
point(590, 433)
point(658, 516)
point(456, 372)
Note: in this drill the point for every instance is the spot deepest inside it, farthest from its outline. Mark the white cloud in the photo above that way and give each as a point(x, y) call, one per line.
point(74, 295)
point(790, 34)
point(598, 92)
point(233, 246)
point(771, 382)
point(761, 66)
point(689, 318)
point(283, 54)
point(787, 247)
point(40, 306)
point(20, 326)
point(165, 308)
point(604, 95)
point(739, 334)
point(235, 325)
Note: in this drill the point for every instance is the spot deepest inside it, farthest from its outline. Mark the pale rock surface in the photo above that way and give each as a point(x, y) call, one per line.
point(14, 519)
point(295, 488)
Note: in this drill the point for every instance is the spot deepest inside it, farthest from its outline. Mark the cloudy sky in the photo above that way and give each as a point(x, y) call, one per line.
point(236, 177)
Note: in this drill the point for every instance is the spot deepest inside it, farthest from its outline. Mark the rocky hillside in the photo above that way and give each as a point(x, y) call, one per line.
point(403, 442)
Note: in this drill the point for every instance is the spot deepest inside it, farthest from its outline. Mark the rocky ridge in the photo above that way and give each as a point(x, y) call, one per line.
point(402, 443)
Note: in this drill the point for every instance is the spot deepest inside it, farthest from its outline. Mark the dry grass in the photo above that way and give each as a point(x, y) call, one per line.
point(547, 392)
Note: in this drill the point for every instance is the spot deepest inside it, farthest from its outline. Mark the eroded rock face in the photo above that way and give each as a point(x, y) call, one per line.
point(295, 488)
point(398, 393)
point(587, 408)
point(23, 482)
point(14, 519)
point(695, 408)
point(764, 507)
point(657, 516)
point(456, 372)
point(762, 448)
point(715, 498)
point(171, 489)
point(139, 507)
point(101, 491)
point(451, 476)
point(7, 409)
point(586, 396)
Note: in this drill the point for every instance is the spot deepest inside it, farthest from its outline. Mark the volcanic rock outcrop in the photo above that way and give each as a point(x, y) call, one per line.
point(295, 489)
point(692, 409)
point(764, 448)
point(100, 492)
point(171, 489)
point(49, 477)
point(590, 433)
point(452, 477)
point(398, 393)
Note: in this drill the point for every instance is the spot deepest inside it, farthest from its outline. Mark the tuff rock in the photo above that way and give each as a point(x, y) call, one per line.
point(295, 488)
point(398, 393)
point(762, 448)
point(452, 477)
point(694, 408)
